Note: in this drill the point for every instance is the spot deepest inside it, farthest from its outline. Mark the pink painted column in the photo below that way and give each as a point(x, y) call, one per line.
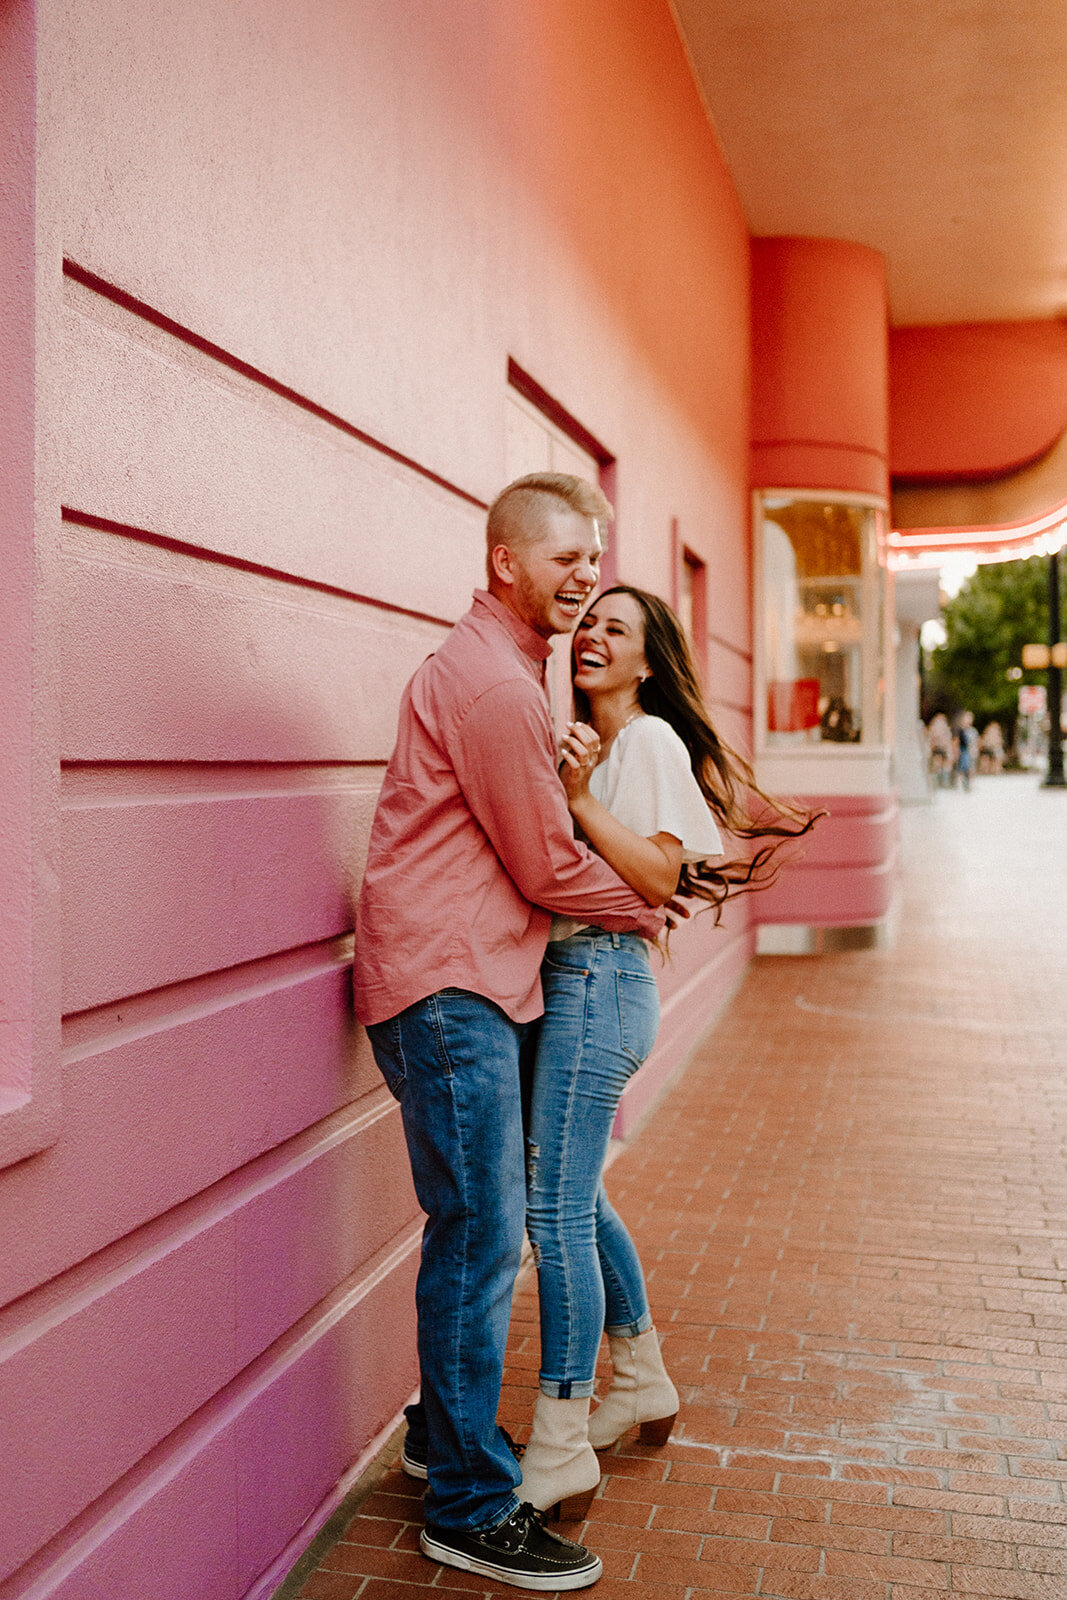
point(819, 471)
point(29, 1084)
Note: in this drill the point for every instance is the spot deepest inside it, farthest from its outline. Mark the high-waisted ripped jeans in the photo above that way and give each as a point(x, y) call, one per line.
point(600, 1021)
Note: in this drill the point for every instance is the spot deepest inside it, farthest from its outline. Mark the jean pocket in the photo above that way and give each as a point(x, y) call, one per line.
point(572, 966)
point(386, 1042)
point(638, 999)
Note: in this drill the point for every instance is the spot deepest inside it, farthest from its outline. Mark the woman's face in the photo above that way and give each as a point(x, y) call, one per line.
point(609, 646)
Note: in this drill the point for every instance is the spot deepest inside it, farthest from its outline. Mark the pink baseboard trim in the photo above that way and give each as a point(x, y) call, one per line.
point(283, 1564)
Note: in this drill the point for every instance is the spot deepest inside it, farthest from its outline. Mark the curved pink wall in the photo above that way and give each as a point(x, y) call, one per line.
point(973, 400)
point(819, 366)
point(846, 876)
point(301, 245)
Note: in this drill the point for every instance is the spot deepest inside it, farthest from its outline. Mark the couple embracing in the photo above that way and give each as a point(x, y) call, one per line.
point(502, 971)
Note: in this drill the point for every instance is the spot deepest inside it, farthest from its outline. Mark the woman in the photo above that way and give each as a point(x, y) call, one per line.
point(646, 783)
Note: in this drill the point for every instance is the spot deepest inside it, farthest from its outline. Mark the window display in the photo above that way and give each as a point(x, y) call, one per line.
point(821, 621)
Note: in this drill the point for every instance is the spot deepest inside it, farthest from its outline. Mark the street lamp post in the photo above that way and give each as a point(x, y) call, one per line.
point(1055, 778)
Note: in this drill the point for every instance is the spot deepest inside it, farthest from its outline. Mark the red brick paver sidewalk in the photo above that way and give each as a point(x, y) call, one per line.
point(853, 1211)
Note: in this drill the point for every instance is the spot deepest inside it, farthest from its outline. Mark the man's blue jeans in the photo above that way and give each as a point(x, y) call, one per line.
point(453, 1062)
point(600, 1022)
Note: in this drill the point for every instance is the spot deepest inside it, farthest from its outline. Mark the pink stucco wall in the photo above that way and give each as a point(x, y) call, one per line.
point(29, 1021)
point(820, 357)
point(283, 255)
point(971, 400)
point(846, 875)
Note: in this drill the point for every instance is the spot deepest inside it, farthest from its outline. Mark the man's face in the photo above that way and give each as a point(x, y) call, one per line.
point(553, 576)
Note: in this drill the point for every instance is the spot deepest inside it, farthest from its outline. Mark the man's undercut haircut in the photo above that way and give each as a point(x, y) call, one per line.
point(517, 515)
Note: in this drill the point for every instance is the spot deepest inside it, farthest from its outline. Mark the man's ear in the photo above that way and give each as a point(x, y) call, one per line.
point(502, 564)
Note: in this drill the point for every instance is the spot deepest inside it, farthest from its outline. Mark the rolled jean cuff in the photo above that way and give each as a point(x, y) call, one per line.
point(629, 1330)
point(578, 1389)
point(487, 1527)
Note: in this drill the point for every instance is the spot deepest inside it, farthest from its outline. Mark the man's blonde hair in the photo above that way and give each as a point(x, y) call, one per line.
point(517, 515)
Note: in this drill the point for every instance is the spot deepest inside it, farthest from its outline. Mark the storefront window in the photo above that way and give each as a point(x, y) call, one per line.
point(821, 620)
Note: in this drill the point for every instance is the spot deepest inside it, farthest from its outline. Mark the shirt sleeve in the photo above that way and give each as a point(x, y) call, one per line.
point(503, 755)
point(656, 791)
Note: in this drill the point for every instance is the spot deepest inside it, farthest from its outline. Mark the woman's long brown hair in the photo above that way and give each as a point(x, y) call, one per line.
point(726, 780)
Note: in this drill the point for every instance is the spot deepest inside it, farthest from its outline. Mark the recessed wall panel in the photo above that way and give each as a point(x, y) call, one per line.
point(190, 450)
point(156, 892)
point(174, 1103)
point(169, 658)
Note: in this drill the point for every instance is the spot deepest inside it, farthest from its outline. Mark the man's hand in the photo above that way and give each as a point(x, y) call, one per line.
point(677, 912)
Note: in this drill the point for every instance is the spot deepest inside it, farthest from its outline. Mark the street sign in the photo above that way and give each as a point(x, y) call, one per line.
point(1032, 700)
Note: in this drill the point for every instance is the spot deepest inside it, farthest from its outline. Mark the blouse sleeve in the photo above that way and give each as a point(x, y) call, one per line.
point(656, 791)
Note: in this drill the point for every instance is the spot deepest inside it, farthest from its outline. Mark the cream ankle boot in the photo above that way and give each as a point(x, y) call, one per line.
point(559, 1470)
point(640, 1393)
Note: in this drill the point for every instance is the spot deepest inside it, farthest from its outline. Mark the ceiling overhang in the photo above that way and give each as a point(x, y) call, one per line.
point(934, 134)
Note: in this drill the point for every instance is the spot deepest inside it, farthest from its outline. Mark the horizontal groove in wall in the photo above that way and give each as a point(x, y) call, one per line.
point(34, 1314)
point(102, 783)
point(207, 347)
point(744, 707)
point(88, 1033)
point(879, 866)
point(57, 1560)
point(734, 649)
point(819, 444)
point(215, 558)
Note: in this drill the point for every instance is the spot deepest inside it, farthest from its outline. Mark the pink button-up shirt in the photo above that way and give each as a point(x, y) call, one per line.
point(472, 845)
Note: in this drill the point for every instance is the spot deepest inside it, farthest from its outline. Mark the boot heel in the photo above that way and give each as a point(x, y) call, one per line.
point(658, 1431)
point(575, 1508)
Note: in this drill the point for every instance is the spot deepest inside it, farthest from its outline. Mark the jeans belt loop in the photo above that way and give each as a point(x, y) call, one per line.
point(616, 941)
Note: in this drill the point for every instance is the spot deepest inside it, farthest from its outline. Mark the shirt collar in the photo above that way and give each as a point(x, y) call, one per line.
point(529, 642)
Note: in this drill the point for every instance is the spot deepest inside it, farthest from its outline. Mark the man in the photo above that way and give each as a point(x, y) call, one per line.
point(472, 847)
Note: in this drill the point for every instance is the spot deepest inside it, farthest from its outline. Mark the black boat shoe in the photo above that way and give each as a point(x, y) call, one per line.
point(519, 1551)
point(413, 1458)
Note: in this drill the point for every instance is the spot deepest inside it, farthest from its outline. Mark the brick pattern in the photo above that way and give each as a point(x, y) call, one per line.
point(852, 1208)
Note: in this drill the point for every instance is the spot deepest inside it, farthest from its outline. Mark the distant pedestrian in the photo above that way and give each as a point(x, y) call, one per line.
point(991, 748)
point(966, 748)
point(939, 739)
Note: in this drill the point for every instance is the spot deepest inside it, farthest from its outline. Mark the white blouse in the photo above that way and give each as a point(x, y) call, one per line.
point(647, 784)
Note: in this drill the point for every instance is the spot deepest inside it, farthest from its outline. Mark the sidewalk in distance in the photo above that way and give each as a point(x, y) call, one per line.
point(853, 1211)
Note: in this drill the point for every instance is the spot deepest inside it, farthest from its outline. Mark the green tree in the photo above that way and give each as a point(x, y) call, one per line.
point(1001, 608)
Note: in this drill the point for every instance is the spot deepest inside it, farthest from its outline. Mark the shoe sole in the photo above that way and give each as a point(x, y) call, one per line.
point(548, 1582)
point(414, 1469)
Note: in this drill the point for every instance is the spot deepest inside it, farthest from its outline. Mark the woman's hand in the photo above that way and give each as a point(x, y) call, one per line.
point(579, 752)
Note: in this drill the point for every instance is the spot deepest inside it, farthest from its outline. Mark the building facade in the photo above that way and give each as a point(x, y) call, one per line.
point(290, 291)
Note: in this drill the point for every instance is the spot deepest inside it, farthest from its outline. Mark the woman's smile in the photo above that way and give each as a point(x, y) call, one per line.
point(609, 645)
